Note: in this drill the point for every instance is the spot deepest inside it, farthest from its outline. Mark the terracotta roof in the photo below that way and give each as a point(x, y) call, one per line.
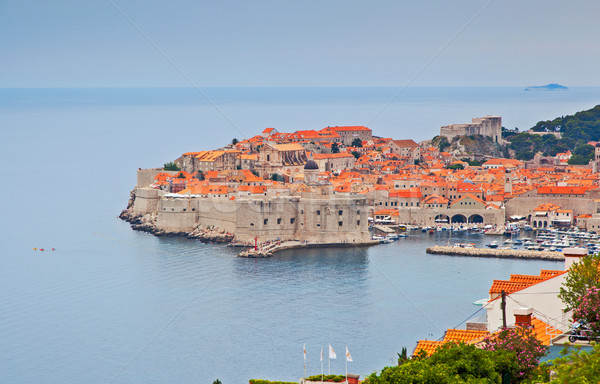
point(469, 196)
point(349, 128)
point(429, 346)
point(555, 190)
point(288, 147)
point(388, 212)
point(543, 332)
point(547, 207)
point(518, 282)
point(435, 199)
point(322, 156)
point(405, 143)
point(507, 286)
point(462, 335)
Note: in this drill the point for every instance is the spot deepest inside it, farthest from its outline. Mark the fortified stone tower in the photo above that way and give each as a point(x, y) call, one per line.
point(596, 161)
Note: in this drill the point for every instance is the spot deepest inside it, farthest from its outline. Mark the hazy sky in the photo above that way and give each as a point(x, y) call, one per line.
point(78, 43)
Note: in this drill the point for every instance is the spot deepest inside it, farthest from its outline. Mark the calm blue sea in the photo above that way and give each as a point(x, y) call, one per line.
point(111, 305)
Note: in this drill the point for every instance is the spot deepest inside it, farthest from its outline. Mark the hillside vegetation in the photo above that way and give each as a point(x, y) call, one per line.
point(576, 130)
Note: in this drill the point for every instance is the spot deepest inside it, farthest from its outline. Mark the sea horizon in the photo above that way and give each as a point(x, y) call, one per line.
point(85, 312)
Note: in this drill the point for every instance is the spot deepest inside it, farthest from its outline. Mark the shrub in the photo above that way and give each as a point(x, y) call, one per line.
point(527, 349)
point(588, 311)
point(171, 166)
point(578, 366)
point(581, 277)
point(452, 363)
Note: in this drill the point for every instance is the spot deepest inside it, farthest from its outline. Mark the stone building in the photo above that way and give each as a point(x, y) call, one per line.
point(407, 148)
point(490, 126)
point(334, 162)
point(349, 133)
point(286, 160)
point(204, 161)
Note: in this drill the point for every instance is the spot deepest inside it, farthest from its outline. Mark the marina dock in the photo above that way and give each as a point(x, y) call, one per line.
point(270, 250)
point(501, 253)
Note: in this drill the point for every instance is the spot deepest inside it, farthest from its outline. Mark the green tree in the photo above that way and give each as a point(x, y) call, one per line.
point(581, 277)
point(171, 166)
point(217, 382)
point(442, 142)
point(356, 143)
point(577, 366)
point(181, 175)
point(276, 177)
point(450, 364)
point(200, 175)
point(356, 154)
point(582, 155)
point(234, 141)
point(402, 356)
point(335, 148)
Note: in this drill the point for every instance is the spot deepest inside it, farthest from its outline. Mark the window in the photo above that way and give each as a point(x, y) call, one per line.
point(252, 224)
point(340, 223)
point(266, 221)
point(341, 212)
point(357, 223)
point(193, 209)
point(318, 213)
point(268, 157)
point(318, 225)
point(279, 220)
point(292, 220)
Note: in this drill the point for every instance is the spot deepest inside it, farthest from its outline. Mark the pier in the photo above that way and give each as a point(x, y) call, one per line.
point(270, 250)
point(501, 253)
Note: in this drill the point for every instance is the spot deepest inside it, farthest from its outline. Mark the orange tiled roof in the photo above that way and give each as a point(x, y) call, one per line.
point(518, 282)
point(542, 331)
point(389, 212)
point(555, 190)
point(463, 335)
point(429, 346)
point(507, 286)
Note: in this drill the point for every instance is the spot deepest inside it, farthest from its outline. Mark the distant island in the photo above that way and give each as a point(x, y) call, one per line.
point(548, 87)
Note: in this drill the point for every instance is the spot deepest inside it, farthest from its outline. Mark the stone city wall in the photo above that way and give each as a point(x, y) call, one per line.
point(145, 177)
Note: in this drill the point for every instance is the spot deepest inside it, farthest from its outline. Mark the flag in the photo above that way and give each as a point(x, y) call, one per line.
point(321, 353)
point(332, 353)
point(348, 357)
point(304, 351)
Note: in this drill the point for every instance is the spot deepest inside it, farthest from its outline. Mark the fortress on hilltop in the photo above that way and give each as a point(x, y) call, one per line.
point(490, 126)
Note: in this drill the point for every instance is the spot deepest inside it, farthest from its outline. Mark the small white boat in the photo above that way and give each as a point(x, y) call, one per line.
point(493, 244)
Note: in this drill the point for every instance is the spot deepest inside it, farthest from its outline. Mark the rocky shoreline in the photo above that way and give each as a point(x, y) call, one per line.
point(147, 223)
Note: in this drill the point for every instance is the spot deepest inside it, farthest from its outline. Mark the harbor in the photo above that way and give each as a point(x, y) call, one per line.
point(491, 252)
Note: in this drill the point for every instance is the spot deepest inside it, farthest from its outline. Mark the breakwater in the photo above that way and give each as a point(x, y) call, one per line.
point(501, 253)
point(268, 251)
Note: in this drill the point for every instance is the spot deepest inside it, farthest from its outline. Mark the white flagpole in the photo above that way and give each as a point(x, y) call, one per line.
point(321, 363)
point(304, 352)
